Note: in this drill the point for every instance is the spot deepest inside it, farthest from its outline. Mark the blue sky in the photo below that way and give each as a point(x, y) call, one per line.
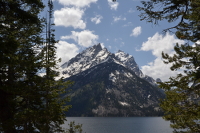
point(83, 23)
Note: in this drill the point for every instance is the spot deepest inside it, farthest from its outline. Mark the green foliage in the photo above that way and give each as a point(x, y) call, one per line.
point(28, 102)
point(73, 128)
point(19, 28)
point(182, 103)
point(186, 12)
point(53, 111)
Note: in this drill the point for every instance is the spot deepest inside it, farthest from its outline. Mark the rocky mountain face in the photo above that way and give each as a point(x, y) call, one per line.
point(110, 84)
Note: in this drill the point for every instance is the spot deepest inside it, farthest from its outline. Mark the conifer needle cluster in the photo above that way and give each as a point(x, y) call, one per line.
point(182, 102)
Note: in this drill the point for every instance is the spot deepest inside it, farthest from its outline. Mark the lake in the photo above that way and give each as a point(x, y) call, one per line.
point(121, 124)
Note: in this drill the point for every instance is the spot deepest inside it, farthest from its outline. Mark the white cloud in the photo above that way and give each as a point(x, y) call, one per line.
point(84, 38)
point(66, 51)
point(77, 3)
point(157, 44)
point(113, 5)
point(136, 31)
point(69, 17)
point(97, 19)
point(118, 18)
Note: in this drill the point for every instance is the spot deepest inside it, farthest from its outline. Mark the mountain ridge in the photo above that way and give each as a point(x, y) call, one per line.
point(97, 54)
point(110, 84)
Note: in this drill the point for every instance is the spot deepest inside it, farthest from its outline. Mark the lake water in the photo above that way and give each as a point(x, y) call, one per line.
point(121, 124)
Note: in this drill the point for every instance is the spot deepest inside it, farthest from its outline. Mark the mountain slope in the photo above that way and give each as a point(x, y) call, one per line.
point(110, 89)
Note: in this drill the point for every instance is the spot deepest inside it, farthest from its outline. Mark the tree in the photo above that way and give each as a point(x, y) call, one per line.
point(19, 28)
point(182, 103)
point(184, 11)
point(73, 128)
point(28, 102)
point(53, 113)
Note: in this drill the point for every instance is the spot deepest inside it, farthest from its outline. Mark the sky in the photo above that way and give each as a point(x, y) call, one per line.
point(80, 24)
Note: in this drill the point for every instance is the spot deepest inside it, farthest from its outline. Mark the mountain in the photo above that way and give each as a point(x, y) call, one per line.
point(110, 84)
point(97, 54)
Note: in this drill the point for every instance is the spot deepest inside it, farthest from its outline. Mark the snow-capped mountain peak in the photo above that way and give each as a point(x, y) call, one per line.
point(113, 81)
point(96, 55)
point(129, 62)
point(84, 60)
point(122, 56)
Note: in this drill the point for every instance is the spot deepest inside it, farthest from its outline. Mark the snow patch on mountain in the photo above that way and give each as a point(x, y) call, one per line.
point(122, 56)
point(96, 55)
point(129, 75)
point(124, 103)
point(112, 77)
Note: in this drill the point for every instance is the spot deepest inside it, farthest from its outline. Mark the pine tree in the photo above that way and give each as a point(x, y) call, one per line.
point(182, 103)
point(53, 113)
point(28, 102)
point(19, 28)
point(185, 12)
